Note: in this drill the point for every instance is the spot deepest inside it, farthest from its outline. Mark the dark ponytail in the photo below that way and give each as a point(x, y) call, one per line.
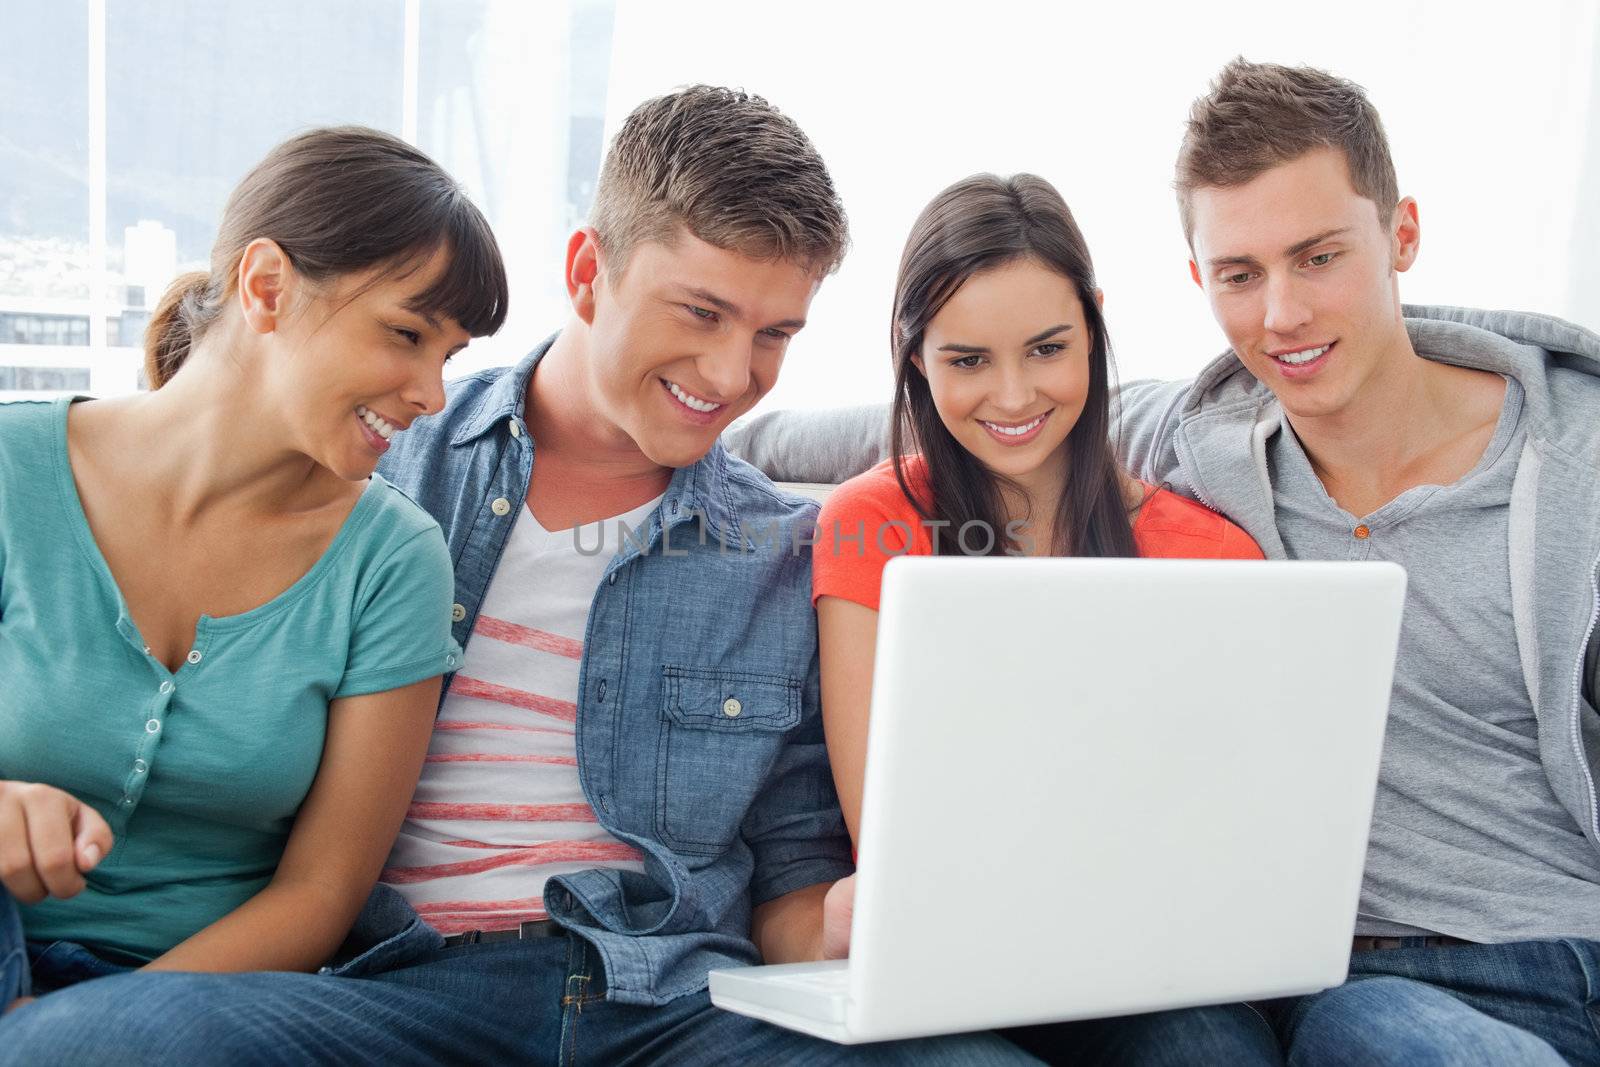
point(183, 312)
point(337, 201)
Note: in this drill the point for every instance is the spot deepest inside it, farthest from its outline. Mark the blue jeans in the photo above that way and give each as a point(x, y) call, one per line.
point(410, 1000)
point(1526, 1003)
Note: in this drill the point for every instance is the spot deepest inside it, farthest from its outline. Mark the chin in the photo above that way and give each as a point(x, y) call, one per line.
point(353, 471)
point(676, 453)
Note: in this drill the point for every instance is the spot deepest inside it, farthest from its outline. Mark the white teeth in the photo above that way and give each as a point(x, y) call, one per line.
point(1014, 431)
point(691, 401)
point(1294, 359)
point(380, 426)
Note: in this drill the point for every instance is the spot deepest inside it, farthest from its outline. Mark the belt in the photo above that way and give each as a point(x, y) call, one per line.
point(526, 932)
point(1377, 944)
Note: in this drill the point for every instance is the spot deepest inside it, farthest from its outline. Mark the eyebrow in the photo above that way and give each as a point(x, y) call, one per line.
point(427, 316)
point(1289, 253)
point(979, 350)
point(728, 307)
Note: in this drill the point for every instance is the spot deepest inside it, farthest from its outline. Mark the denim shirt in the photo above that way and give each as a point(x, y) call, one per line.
point(699, 729)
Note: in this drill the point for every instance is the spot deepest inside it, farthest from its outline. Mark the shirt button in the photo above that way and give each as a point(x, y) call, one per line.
point(166, 687)
point(127, 802)
point(613, 579)
point(457, 612)
point(731, 708)
point(140, 766)
point(501, 506)
point(516, 431)
point(449, 659)
point(1362, 533)
point(153, 726)
point(193, 656)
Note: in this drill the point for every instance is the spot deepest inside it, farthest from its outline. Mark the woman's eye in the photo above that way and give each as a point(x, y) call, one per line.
point(410, 335)
point(966, 362)
point(1049, 349)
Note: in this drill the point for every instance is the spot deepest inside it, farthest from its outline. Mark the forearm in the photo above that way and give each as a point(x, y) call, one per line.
point(285, 927)
point(788, 929)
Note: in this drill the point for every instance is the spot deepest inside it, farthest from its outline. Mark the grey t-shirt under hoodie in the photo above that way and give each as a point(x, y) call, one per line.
point(1468, 838)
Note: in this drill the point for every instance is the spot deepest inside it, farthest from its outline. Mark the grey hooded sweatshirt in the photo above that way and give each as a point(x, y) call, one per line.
point(1208, 438)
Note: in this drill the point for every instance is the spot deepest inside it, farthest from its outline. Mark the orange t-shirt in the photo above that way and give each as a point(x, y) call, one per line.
point(868, 521)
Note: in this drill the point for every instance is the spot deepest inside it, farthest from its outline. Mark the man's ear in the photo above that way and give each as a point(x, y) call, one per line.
point(583, 268)
point(1194, 272)
point(1405, 234)
point(266, 278)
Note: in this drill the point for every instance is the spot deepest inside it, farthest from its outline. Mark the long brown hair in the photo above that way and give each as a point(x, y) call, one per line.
point(339, 200)
point(977, 224)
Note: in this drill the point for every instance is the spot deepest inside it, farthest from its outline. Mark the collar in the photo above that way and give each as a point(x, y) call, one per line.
point(702, 488)
point(505, 398)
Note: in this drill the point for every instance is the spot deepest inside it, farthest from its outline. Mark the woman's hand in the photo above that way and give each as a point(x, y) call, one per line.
point(838, 908)
point(49, 840)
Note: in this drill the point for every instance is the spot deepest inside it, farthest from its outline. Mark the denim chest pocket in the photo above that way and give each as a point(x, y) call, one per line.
point(721, 732)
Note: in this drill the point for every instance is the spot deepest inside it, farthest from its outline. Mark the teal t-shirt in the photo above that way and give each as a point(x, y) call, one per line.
point(199, 772)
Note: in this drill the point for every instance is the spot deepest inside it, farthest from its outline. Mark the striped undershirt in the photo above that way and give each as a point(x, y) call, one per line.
point(499, 808)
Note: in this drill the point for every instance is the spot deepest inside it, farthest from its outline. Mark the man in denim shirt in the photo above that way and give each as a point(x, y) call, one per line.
point(684, 684)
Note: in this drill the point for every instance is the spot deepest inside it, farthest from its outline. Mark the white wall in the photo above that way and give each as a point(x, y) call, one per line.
point(1488, 108)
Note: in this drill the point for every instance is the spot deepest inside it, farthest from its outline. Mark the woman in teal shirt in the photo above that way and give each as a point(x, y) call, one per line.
point(221, 634)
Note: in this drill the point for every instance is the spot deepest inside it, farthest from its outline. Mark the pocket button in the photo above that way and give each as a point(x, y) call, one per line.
point(731, 708)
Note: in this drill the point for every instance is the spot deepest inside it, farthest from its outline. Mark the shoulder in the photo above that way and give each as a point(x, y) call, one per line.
point(876, 494)
point(394, 512)
point(25, 422)
point(758, 499)
point(399, 536)
point(1174, 526)
point(27, 433)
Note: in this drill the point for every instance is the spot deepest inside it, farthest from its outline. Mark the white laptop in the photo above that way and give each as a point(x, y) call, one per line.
point(1102, 787)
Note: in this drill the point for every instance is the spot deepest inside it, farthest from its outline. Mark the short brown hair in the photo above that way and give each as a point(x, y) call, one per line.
point(729, 166)
point(1260, 115)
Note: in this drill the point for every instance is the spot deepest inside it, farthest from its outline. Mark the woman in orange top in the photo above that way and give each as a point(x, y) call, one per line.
point(999, 438)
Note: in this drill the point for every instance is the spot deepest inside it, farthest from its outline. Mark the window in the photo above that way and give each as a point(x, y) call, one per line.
point(124, 126)
point(1493, 116)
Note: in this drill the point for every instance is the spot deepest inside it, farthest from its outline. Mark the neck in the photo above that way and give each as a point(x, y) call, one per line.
point(215, 448)
point(569, 426)
point(1403, 409)
point(1034, 499)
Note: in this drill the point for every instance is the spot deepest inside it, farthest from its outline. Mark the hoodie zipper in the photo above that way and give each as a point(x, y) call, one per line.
point(1577, 696)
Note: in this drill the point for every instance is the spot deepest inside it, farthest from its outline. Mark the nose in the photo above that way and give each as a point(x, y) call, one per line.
point(726, 369)
point(1014, 390)
point(425, 393)
point(1286, 310)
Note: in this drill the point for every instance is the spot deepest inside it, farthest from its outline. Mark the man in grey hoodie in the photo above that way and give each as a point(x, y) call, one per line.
point(1464, 445)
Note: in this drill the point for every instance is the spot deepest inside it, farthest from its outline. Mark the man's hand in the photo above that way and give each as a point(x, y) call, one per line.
point(48, 841)
point(838, 908)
